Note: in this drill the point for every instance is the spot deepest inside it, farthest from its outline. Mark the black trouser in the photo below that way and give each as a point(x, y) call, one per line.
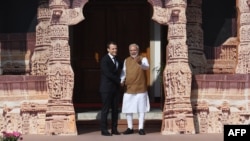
point(109, 100)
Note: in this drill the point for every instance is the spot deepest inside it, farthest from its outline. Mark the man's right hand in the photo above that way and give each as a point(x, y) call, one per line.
point(138, 60)
point(122, 84)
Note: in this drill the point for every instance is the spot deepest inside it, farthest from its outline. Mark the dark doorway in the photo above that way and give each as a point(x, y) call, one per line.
point(218, 23)
point(122, 21)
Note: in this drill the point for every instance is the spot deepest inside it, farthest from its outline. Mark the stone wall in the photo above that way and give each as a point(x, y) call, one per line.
point(23, 103)
point(219, 99)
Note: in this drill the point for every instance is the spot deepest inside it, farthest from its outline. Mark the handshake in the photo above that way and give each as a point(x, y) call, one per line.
point(122, 84)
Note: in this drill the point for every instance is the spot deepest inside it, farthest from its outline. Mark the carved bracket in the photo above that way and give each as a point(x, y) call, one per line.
point(57, 14)
point(175, 13)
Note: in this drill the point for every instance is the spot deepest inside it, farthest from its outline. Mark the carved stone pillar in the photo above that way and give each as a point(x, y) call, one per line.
point(60, 115)
point(203, 117)
point(196, 56)
point(177, 76)
point(33, 118)
point(40, 57)
point(244, 36)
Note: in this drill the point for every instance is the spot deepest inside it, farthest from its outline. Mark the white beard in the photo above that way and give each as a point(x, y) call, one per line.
point(134, 56)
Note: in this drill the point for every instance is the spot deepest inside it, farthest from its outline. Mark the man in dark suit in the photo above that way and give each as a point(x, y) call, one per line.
point(110, 89)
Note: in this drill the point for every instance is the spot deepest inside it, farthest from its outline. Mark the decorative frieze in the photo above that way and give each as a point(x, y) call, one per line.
point(244, 37)
point(220, 99)
point(60, 50)
point(177, 49)
point(245, 33)
point(54, 4)
point(160, 15)
point(177, 31)
point(243, 6)
point(43, 14)
point(59, 31)
point(23, 103)
point(243, 58)
point(244, 19)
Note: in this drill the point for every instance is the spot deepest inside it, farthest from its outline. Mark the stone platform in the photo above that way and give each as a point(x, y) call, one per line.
point(153, 114)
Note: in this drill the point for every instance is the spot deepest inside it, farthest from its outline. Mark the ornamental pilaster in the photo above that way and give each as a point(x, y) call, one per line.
point(196, 56)
point(243, 7)
point(177, 76)
point(52, 58)
point(39, 60)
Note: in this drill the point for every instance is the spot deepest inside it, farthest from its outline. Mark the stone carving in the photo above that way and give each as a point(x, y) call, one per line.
point(243, 58)
point(177, 49)
point(177, 31)
point(60, 74)
point(221, 99)
point(40, 57)
point(75, 13)
point(244, 29)
point(61, 83)
point(244, 18)
point(243, 6)
point(29, 105)
point(52, 58)
point(160, 15)
point(245, 118)
point(196, 56)
point(225, 57)
point(23, 103)
point(245, 33)
point(177, 74)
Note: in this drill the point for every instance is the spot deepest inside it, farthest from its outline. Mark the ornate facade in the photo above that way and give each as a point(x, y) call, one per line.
point(195, 102)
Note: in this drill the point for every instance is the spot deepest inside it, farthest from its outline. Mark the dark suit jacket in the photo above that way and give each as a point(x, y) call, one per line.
point(110, 76)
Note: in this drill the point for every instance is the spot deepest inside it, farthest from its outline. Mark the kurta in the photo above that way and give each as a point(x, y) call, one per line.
point(135, 98)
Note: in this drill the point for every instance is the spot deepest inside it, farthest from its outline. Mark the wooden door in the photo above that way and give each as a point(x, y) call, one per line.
point(119, 21)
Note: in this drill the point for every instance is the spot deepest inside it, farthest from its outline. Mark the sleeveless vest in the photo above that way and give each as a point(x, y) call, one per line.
point(135, 77)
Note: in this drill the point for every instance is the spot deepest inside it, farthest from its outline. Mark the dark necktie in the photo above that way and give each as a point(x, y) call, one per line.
point(115, 62)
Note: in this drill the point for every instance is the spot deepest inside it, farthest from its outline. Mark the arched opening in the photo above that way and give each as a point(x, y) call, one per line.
point(122, 21)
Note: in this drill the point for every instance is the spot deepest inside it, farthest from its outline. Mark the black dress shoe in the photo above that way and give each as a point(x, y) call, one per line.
point(106, 133)
point(128, 131)
point(141, 132)
point(115, 132)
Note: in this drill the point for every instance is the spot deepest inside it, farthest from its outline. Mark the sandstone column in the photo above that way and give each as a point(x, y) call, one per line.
point(196, 57)
point(244, 36)
point(52, 58)
point(177, 76)
point(40, 57)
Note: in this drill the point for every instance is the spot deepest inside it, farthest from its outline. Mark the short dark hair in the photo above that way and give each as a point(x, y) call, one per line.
point(110, 43)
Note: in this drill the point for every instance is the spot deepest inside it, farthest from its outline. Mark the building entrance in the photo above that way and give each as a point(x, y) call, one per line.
point(121, 21)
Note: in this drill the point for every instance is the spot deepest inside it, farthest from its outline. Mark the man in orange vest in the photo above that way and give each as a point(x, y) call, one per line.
point(135, 98)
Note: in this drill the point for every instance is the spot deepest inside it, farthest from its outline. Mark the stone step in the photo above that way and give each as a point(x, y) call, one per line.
point(90, 120)
point(153, 114)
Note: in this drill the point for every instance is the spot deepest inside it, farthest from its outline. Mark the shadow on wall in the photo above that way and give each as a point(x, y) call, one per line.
point(16, 51)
